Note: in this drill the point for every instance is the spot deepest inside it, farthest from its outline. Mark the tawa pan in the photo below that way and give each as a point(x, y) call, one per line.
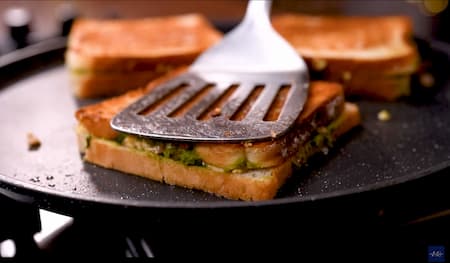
point(36, 97)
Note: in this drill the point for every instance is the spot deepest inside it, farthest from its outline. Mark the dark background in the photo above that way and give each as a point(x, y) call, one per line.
point(46, 18)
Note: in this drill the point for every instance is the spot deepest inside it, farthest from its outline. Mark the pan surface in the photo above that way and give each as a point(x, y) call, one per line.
point(36, 97)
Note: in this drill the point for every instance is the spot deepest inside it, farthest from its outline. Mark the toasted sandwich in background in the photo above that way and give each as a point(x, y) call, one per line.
point(373, 57)
point(244, 171)
point(109, 57)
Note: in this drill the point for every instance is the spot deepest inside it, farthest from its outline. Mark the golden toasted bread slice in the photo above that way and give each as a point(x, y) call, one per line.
point(372, 57)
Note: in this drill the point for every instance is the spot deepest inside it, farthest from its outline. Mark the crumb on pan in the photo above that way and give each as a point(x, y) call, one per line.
point(273, 134)
point(319, 64)
point(33, 142)
point(216, 112)
point(346, 75)
point(426, 80)
point(384, 115)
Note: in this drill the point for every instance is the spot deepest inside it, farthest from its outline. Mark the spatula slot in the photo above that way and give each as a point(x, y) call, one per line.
point(245, 107)
point(161, 102)
point(215, 109)
point(278, 103)
point(189, 104)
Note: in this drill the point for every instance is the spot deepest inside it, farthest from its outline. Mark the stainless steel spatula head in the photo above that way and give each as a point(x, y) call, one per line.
point(250, 86)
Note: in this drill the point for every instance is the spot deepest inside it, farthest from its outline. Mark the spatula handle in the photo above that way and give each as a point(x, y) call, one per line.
point(258, 11)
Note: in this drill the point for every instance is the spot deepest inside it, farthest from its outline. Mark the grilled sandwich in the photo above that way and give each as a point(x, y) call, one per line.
point(110, 57)
point(373, 57)
point(250, 170)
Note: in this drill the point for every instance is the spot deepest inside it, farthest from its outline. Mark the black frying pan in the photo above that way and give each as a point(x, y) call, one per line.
point(35, 96)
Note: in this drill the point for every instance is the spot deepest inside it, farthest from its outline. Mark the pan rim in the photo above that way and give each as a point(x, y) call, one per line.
point(7, 184)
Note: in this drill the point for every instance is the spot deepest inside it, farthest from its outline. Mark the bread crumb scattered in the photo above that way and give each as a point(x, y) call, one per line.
point(322, 130)
point(163, 68)
point(33, 142)
point(346, 75)
point(384, 115)
point(426, 80)
point(319, 64)
point(216, 112)
point(35, 179)
point(273, 134)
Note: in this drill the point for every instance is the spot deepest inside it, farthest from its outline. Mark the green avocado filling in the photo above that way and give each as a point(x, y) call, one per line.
point(185, 153)
point(158, 68)
point(119, 138)
point(240, 164)
point(88, 140)
point(319, 142)
point(80, 71)
point(181, 152)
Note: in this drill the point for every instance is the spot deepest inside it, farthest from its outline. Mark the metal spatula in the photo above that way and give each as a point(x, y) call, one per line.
point(252, 57)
